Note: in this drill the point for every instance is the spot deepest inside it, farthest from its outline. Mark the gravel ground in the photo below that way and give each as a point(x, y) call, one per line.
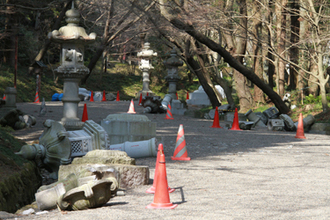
point(255, 174)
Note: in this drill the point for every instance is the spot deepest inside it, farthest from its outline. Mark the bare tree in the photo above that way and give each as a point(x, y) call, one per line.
point(181, 21)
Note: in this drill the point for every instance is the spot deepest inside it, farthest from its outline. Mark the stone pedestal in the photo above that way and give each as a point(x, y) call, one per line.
point(178, 107)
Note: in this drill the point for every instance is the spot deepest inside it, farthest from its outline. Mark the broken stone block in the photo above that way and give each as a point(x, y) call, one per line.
point(128, 127)
point(90, 195)
point(138, 148)
point(229, 116)
point(271, 113)
point(246, 125)
point(129, 175)
point(91, 137)
point(289, 124)
point(275, 125)
point(255, 118)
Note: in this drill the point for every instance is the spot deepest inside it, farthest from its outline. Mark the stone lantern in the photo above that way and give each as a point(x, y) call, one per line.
point(172, 77)
point(145, 65)
point(72, 39)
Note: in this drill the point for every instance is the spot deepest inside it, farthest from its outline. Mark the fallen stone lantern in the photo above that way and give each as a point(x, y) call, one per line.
point(53, 150)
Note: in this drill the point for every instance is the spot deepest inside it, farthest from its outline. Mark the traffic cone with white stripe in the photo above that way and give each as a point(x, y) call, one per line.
point(180, 151)
point(36, 99)
point(131, 109)
point(169, 112)
point(4, 97)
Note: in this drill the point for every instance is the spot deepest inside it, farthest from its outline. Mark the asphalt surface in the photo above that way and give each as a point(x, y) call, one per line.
point(254, 174)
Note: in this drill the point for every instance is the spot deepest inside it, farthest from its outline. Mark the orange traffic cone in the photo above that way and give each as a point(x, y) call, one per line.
point(85, 115)
point(154, 184)
point(103, 98)
point(92, 97)
point(180, 151)
point(117, 99)
point(235, 125)
point(131, 109)
point(300, 130)
point(187, 98)
point(161, 197)
point(169, 112)
point(140, 100)
point(216, 123)
point(4, 97)
point(177, 97)
point(36, 99)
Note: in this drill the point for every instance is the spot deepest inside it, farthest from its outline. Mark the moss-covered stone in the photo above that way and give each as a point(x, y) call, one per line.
point(19, 188)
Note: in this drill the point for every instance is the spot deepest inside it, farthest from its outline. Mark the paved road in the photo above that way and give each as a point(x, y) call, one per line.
point(256, 174)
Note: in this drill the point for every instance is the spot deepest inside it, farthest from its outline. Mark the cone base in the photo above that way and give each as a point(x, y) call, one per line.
point(131, 112)
point(169, 118)
point(301, 137)
point(235, 129)
point(215, 127)
point(180, 158)
point(152, 190)
point(161, 206)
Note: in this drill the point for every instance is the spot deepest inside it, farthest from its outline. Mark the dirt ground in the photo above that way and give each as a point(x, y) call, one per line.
point(254, 174)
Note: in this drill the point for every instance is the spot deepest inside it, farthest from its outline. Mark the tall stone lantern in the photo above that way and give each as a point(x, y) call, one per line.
point(172, 77)
point(72, 39)
point(145, 66)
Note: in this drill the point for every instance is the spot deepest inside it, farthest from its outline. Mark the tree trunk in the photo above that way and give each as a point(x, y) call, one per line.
point(202, 75)
point(294, 39)
point(257, 60)
point(270, 57)
point(313, 87)
point(281, 38)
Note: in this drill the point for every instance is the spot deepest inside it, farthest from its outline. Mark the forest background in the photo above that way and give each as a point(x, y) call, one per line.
point(256, 50)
